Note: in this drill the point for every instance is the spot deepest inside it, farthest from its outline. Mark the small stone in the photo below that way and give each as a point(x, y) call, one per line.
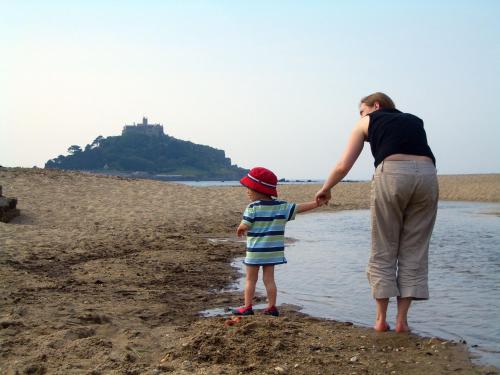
point(130, 357)
point(35, 369)
point(280, 370)
point(164, 368)
point(354, 359)
point(296, 365)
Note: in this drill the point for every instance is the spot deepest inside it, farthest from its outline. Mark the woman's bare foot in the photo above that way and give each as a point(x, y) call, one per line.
point(402, 327)
point(381, 326)
point(380, 318)
point(402, 315)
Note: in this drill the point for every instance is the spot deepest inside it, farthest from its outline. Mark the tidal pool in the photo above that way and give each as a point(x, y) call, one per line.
point(325, 274)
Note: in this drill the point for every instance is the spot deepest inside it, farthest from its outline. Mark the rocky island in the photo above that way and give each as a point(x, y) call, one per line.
point(145, 151)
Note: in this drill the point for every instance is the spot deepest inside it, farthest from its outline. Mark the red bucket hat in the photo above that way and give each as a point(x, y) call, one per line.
point(261, 180)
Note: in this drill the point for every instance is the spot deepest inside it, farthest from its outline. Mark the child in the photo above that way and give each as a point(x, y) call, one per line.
point(264, 224)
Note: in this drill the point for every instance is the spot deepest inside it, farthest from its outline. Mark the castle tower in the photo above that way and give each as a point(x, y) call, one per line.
point(144, 128)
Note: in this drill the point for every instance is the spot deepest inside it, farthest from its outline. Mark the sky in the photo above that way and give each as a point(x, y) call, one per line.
point(273, 83)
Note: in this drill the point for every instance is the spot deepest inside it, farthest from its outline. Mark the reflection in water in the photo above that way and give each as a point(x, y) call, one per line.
point(325, 273)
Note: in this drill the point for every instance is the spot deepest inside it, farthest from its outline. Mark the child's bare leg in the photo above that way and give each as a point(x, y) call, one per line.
point(251, 280)
point(381, 323)
point(402, 316)
point(272, 291)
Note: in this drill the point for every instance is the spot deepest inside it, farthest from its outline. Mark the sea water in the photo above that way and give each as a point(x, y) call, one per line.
point(325, 274)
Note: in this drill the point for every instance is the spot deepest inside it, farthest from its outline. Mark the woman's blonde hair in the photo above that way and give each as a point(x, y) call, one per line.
point(383, 100)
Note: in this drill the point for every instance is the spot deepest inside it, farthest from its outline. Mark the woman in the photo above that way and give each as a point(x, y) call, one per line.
point(403, 203)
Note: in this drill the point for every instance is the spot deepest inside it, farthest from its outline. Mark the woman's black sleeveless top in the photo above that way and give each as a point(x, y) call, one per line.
point(393, 132)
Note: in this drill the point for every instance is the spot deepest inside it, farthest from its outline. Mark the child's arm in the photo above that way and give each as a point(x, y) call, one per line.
point(303, 207)
point(242, 229)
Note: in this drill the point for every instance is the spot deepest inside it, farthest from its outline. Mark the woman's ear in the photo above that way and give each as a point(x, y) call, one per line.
point(376, 106)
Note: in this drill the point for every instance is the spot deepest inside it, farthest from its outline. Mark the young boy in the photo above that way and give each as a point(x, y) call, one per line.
point(264, 225)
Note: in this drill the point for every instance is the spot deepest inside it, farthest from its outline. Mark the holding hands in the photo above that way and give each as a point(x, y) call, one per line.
point(323, 196)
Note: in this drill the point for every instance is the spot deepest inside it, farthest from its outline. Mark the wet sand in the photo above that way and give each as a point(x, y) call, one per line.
point(105, 275)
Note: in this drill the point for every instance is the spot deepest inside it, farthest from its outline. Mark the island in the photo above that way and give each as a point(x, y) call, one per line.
point(144, 151)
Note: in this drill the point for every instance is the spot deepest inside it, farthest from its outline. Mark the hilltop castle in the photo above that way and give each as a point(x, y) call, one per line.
point(155, 130)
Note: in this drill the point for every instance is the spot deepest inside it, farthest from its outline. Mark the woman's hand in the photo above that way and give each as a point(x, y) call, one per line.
point(323, 197)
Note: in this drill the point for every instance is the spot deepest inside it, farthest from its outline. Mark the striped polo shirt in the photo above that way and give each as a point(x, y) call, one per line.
point(266, 220)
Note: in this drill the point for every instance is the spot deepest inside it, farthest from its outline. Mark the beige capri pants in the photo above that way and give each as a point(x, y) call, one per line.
point(404, 201)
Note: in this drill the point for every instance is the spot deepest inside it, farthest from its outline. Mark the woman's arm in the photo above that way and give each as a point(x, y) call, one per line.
point(346, 161)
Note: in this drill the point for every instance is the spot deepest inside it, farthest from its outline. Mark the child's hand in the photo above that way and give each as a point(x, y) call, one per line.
point(242, 230)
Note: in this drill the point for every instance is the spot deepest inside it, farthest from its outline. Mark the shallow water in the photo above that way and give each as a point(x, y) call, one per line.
point(325, 274)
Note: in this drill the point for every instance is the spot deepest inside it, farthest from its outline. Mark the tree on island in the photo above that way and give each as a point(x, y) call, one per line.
point(75, 149)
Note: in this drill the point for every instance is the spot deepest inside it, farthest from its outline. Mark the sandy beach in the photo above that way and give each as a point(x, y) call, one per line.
point(106, 275)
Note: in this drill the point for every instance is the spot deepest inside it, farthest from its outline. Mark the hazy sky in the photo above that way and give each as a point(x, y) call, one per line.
point(273, 83)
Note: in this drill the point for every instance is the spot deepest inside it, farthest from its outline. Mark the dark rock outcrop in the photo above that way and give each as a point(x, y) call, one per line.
point(8, 209)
